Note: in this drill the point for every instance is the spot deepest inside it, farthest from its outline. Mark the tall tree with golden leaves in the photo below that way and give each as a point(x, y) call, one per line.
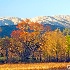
point(54, 44)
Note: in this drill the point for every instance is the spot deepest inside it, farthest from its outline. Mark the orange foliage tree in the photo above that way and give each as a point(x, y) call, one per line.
point(29, 34)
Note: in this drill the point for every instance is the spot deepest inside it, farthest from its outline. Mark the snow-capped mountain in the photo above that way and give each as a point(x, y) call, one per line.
point(9, 21)
point(8, 24)
point(57, 20)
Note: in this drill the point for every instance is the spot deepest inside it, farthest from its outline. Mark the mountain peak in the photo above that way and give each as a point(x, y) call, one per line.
point(60, 20)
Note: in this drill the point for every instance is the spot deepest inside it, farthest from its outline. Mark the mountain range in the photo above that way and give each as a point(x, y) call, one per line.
point(59, 20)
point(8, 24)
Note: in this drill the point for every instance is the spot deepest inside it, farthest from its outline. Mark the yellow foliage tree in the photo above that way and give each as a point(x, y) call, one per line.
point(54, 44)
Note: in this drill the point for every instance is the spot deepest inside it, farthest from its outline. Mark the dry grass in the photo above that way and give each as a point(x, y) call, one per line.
point(35, 66)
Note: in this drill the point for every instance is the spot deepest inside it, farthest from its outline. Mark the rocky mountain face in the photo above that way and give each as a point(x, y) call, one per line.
point(8, 24)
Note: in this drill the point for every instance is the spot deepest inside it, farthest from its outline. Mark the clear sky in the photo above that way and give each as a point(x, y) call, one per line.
point(33, 8)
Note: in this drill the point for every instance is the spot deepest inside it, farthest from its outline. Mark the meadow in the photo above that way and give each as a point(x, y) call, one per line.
point(35, 66)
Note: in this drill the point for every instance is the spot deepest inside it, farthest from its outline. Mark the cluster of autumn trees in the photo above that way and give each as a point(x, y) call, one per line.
point(33, 42)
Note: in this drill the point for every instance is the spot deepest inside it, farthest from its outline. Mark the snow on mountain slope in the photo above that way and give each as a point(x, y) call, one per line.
point(60, 20)
point(8, 24)
point(9, 21)
point(57, 20)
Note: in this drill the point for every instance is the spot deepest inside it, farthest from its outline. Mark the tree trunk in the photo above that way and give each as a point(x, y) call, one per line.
point(6, 55)
point(40, 57)
point(68, 56)
point(56, 56)
point(49, 58)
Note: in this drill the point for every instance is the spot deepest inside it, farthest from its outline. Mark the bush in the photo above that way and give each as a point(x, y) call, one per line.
point(2, 59)
point(15, 59)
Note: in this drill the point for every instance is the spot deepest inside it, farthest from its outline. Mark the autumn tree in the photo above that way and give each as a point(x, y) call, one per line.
point(29, 34)
point(66, 31)
point(54, 45)
point(15, 50)
point(68, 47)
point(5, 44)
point(2, 51)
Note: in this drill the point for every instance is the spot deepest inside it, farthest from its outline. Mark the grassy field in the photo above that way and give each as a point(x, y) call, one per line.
point(35, 66)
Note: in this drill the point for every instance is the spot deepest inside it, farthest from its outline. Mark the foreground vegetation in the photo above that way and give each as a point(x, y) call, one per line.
point(35, 66)
point(33, 42)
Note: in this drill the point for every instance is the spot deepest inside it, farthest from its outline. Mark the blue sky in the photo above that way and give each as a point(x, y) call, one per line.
point(33, 8)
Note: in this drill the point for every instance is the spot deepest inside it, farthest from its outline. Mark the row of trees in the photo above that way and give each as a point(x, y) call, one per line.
point(33, 42)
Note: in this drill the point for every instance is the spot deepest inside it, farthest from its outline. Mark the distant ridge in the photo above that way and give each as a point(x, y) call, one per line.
point(57, 20)
point(8, 24)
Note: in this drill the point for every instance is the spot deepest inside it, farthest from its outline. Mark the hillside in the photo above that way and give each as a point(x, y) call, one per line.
point(60, 20)
point(8, 24)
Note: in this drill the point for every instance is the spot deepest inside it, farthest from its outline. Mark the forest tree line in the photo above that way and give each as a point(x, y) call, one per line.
point(33, 42)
